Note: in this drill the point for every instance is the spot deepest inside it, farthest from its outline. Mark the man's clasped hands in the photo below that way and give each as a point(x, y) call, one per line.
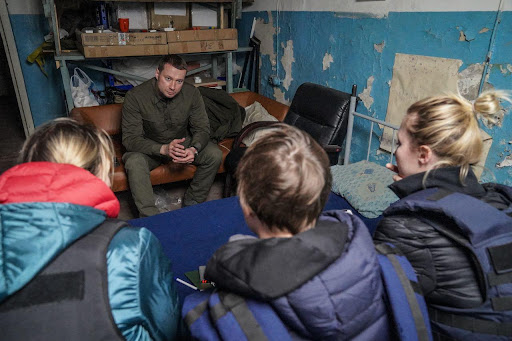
point(177, 152)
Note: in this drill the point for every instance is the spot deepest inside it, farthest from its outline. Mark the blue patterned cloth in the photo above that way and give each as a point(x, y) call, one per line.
point(365, 186)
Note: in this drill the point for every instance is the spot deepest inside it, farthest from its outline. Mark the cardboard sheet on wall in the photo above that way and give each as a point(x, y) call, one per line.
point(416, 77)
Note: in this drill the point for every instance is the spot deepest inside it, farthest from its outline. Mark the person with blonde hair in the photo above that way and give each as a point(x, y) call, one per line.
point(317, 271)
point(442, 208)
point(69, 270)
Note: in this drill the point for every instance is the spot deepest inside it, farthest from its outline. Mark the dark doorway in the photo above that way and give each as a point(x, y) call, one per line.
point(11, 126)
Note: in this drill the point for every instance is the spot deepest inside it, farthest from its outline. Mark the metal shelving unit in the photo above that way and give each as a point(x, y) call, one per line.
point(62, 58)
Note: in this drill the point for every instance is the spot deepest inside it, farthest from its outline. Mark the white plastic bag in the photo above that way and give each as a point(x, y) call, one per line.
point(80, 85)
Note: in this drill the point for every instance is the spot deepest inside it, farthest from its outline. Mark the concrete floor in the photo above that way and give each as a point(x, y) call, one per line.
point(169, 197)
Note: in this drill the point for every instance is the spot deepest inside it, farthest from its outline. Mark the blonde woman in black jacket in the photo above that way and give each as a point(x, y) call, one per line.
point(438, 142)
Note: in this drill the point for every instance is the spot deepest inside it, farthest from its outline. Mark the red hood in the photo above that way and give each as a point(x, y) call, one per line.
point(56, 182)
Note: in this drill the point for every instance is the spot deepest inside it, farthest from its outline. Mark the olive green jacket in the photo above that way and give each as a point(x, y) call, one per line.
point(151, 120)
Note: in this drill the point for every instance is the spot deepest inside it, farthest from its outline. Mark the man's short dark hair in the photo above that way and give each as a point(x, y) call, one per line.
point(174, 60)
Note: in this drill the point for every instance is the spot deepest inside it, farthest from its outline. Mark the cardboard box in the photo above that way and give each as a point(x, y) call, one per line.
point(120, 39)
point(197, 35)
point(203, 46)
point(122, 51)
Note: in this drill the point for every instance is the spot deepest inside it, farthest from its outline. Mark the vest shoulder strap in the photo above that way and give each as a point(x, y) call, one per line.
point(220, 315)
point(468, 214)
point(406, 301)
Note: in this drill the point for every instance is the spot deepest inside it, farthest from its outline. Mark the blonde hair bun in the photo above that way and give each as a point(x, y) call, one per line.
point(449, 126)
point(488, 104)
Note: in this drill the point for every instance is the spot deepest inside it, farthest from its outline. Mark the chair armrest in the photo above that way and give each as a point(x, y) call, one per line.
point(332, 148)
point(106, 117)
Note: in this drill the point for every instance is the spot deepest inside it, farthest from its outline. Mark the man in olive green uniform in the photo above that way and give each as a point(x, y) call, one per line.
point(164, 120)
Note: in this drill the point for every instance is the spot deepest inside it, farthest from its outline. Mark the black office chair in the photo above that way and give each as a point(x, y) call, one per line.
point(318, 110)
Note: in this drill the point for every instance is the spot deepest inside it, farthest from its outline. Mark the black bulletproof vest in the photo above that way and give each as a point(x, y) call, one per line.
point(68, 300)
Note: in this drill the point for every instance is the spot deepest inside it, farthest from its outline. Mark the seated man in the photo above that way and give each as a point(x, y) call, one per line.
point(319, 272)
point(164, 120)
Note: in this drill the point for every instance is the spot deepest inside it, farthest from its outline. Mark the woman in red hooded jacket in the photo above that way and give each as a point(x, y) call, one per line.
point(60, 196)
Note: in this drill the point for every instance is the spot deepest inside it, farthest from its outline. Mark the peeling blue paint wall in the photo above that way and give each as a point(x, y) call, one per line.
point(364, 46)
point(45, 93)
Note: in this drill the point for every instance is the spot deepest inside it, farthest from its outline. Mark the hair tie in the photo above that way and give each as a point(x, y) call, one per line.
point(473, 108)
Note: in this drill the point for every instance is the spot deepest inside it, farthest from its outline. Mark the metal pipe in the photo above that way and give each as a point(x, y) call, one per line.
point(113, 72)
point(371, 119)
point(229, 71)
point(64, 72)
point(369, 143)
point(348, 138)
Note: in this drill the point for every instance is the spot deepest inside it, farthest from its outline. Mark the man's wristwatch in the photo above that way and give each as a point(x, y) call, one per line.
point(195, 151)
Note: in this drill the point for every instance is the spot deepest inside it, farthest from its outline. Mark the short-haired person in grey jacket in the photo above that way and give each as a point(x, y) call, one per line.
point(319, 274)
point(438, 142)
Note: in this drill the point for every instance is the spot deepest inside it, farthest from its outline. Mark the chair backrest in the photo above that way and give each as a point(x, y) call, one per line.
point(320, 111)
point(106, 117)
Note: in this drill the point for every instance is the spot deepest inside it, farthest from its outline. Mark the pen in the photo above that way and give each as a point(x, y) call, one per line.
point(185, 283)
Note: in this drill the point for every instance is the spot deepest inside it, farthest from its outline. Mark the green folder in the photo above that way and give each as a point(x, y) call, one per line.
point(193, 277)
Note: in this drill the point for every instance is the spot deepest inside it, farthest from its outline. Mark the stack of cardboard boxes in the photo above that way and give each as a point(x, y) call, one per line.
point(117, 44)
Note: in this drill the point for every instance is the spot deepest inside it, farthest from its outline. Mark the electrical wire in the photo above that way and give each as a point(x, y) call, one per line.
point(491, 48)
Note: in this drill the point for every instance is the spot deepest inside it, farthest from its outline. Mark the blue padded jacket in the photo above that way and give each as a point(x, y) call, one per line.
point(141, 289)
point(140, 286)
point(324, 283)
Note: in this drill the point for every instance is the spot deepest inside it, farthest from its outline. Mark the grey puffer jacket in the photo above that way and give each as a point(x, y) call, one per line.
point(444, 270)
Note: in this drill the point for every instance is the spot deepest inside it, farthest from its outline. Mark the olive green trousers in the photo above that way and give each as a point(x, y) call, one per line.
point(139, 165)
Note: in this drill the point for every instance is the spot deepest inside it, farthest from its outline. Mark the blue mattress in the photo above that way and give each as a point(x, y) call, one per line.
point(190, 236)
